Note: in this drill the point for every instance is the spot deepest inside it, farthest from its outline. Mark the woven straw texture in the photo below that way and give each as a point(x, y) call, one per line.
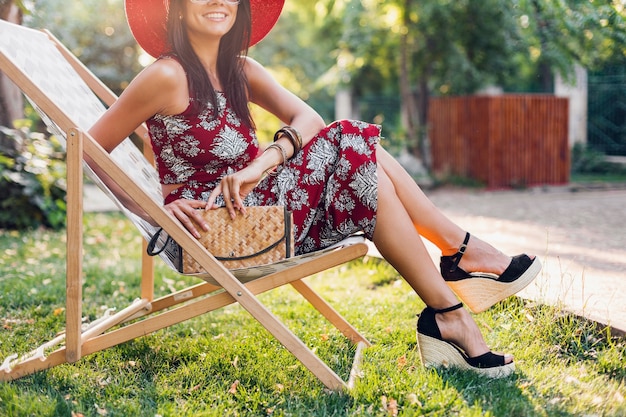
point(246, 235)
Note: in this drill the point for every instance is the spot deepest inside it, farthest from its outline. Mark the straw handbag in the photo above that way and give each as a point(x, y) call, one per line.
point(263, 235)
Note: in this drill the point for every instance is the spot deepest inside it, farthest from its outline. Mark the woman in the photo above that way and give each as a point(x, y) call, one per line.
point(336, 179)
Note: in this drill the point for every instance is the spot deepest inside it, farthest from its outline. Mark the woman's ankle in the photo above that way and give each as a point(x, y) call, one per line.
point(451, 245)
point(480, 256)
point(459, 327)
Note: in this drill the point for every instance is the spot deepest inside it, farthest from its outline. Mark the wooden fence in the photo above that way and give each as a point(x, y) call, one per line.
point(501, 141)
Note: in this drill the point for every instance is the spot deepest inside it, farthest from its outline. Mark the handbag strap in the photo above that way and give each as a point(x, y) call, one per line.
point(152, 251)
point(252, 255)
point(288, 233)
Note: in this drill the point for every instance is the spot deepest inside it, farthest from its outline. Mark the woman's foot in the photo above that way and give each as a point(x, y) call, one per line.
point(458, 326)
point(476, 255)
point(449, 337)
point(492, 277)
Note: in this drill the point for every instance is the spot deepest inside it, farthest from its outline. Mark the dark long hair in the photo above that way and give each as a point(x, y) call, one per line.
point(230, 61)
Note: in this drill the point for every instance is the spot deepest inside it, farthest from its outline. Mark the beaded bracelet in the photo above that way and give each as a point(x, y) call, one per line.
point(293, 135)
point(283, 153)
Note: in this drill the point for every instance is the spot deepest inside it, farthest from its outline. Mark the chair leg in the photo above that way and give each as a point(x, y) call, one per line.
point(74, 271)
point(329, 312)
point(355, 372)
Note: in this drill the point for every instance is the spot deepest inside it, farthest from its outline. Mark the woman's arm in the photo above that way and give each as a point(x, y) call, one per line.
point(266, 92)
point(160, 88)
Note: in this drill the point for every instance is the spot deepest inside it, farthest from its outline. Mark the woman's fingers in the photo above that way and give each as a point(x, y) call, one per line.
point(210, 203)
point(233, 189)
point(230, 191)
point(186, 211)
point(225, 183)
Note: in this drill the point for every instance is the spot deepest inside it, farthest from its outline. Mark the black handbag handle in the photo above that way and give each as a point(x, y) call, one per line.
point(153, 242)
point(252, 255)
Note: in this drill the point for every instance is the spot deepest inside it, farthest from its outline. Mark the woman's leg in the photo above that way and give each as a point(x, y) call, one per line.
point(433, 225)
point(400, 244)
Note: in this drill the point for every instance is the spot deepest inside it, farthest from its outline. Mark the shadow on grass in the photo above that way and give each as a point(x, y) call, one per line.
point(498, 397)
point(580, 355)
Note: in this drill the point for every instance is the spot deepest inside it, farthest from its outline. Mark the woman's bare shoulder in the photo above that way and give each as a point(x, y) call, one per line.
point(162, 86)
point(253, 68)
point(164, 71)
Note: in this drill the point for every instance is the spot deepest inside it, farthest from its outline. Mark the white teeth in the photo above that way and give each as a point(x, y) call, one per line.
point(216, 15)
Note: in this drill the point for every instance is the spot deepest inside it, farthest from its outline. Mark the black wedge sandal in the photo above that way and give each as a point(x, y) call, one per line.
point(481, 290)
point(436, 352)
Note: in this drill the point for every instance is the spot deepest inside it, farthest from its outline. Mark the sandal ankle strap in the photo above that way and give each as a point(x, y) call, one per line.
point(445, 310)
point(457, 257)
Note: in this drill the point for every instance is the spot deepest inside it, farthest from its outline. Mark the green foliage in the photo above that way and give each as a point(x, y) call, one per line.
point(457, 53)
point(96, 32)
point(586, 160)
point(557, 35)
point(32, 181)
point(452, 47)
point(459, 46)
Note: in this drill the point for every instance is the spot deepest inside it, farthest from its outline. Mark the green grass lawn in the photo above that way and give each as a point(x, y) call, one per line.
point(226, 364)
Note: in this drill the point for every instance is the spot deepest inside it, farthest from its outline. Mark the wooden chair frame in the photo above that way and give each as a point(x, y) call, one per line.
point(148, 314)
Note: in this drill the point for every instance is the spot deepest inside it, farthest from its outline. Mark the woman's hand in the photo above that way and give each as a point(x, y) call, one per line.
point(235, 187)
point(186, 211)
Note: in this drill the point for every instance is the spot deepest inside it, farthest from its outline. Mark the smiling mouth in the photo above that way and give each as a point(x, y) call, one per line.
point(215, 16)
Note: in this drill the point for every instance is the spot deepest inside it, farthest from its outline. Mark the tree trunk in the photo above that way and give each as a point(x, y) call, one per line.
point(422, 99)
point(409, 107)
point(11, 99)
point(545, 72)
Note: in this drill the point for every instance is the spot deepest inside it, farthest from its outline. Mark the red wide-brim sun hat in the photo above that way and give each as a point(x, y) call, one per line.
point(147, 21)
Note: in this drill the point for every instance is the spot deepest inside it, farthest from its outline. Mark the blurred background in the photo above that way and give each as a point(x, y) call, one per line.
point(393, 61)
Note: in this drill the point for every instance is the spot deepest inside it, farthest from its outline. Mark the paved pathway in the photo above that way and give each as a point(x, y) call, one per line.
point(580, 238)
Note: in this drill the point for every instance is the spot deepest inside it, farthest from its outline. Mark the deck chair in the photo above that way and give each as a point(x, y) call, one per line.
point(70, 99)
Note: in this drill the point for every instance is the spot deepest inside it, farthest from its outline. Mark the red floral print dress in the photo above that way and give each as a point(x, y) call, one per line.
point(330, 185)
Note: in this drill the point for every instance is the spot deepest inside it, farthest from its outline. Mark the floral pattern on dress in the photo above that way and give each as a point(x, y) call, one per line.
point(330, 186)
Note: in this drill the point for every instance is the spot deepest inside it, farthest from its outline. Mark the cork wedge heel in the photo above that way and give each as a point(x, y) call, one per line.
point(479, 290)
point(436, 352)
